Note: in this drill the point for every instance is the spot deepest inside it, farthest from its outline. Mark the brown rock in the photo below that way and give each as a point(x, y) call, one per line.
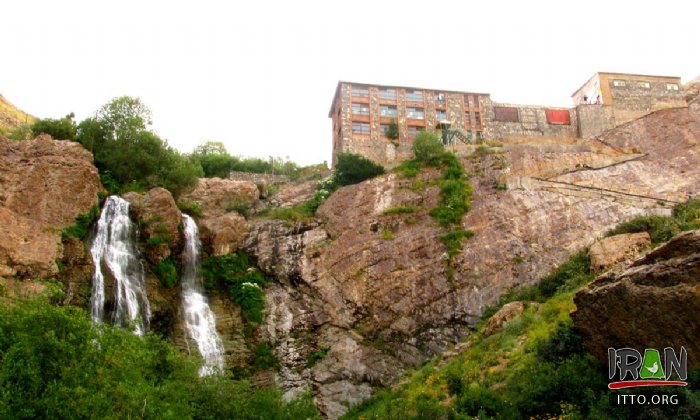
point(44, 185)
point(217, 196)
point(161, 219)
point(613, 250)
point(290, 195)
point(225, 233)
point(505, 314)
point(654, 303)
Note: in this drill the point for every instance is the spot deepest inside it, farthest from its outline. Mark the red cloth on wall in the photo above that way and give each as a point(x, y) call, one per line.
point(558, 116)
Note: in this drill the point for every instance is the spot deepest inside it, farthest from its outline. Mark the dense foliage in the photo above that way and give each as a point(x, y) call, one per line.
point(217, 162)
point(82, 224)
point(536, 366)
point(60, 129)
point(241, 279)
point(55, 363)
point(128, 155)
point(352, 169)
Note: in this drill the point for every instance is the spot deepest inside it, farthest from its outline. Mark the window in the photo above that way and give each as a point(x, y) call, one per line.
point(384, 128)
point(387, 111)
point(619, 83)
point(414, 96)
point(360, 109)
point(387, 94)
point(477, 119)
point(415, 113)
point(467, 119)
point(469, 135)
point(360, 91)
point(479, 135)
point(360, 128)
point(671, 86)
point(644, 85)
point(413, 130)
point(441, 114)
point(505, 113)
point(440, 97)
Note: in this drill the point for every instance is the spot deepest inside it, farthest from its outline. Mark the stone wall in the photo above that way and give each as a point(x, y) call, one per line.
point(634, 100)
point(532, 121)
point(594, 120)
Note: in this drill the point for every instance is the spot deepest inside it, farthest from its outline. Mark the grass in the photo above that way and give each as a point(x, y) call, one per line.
point(191, 208)
point(298, 213)
point(387, 234)
point(453, 240)
point(400, 210)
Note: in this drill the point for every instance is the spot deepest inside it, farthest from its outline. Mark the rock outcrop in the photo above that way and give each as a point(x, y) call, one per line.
point(160, 219)
point(44, 185)
point(217, 196)
point(614, 250)
point(381, 281)
point(224, 203)
point(654, 303)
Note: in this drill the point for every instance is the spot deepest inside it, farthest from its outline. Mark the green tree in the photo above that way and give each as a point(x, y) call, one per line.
point(128, 155)
point(392, 131)
point(60, 129)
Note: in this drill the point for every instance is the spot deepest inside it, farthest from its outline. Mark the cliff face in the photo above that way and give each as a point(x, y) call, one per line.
point(44, 185)
point(654, 302)
point(372, 291)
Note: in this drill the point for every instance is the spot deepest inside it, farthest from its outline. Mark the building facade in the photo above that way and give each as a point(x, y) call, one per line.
point(361, 113)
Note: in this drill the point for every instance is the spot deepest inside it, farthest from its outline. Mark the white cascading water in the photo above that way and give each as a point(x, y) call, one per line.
point(199, 318)
point(113, 250)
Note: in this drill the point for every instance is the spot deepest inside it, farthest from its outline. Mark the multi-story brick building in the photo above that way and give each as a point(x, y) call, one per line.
point(361, 113)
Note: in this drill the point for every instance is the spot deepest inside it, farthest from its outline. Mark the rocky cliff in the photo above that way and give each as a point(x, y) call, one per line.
point(371, 291)
point(653, 303)
point(44, 185)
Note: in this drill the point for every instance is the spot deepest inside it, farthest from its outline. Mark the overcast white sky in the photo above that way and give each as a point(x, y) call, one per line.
point(260, 75)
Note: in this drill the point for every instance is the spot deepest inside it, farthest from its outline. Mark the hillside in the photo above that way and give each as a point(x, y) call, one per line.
point(12, 117)
point(342, 302)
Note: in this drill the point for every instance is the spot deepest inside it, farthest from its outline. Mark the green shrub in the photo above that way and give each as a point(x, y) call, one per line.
point(573, 273)
point(263, 358)
point(660, 228)
point(82, 224)
point(241, 207)
point(453, 240)
point(242, 280)
point(60, 129)
point(454, 202)
point(352, 169)
point(687, 215)
point(392, 132)
point(167, 273)
point(427, 148)
point(409, 168)
point(191, 208)
point(294, 214)
point(317, 356)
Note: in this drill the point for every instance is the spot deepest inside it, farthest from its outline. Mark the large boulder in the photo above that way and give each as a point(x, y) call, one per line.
point(44, 185)
point(217, 196)
point(654, 303)
point(225, 233)
point(161, 221)
point(614, 250)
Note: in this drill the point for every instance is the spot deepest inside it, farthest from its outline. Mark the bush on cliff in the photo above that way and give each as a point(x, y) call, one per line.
point(353, 169)
point(60, 129)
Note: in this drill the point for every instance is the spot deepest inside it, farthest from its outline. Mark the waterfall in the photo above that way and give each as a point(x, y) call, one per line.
point(113, 250)
point(199, 318)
